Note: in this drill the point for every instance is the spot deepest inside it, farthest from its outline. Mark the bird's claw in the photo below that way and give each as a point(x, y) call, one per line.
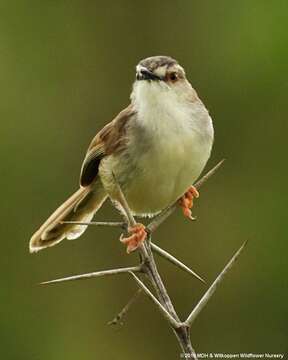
point(138, 234)
point(186, 202)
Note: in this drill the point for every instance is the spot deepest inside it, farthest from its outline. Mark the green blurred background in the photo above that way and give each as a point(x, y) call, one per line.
point(66, 69)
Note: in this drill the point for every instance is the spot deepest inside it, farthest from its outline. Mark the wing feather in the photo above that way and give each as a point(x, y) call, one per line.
point(109, 140)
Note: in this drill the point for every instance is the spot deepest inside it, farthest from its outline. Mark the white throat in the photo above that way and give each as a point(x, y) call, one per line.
point(160, 107)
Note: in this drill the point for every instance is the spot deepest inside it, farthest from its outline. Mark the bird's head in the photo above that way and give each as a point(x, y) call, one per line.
point(160, 68)
point(158, 75)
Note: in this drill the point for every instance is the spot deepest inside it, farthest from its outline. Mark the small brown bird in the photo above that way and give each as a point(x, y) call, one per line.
point(156, 148)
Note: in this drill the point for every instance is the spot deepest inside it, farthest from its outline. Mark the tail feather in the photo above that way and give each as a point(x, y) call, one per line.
point(81, 206)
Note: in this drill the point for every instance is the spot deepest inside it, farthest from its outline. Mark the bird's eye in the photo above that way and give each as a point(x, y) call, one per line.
point(173, 76)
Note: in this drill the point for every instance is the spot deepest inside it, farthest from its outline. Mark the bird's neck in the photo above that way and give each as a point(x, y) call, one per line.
point(160, 107)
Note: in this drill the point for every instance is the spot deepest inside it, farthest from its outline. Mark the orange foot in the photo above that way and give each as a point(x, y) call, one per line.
point(186, 201)
point(137, 237)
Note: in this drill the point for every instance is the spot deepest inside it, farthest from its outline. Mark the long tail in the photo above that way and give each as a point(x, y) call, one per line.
point(81, 206)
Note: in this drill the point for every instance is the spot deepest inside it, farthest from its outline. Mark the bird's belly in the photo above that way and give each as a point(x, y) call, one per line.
point(155, 178)
point(161, 182)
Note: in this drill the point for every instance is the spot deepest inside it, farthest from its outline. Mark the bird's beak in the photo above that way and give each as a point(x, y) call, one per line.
point(145, 74)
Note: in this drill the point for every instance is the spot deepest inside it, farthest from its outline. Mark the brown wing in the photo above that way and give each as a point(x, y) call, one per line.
point(110, 139)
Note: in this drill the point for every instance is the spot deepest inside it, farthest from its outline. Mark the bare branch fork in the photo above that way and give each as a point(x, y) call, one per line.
point(148, 268)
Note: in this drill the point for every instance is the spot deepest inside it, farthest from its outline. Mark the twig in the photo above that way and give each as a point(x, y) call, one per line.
point(169, 318)
point(130, 218)
point(159, 219)
point(94, 274)
point(123, 202)
point(195, 312)
point(207, 176)
point(174, 261)
point(118, 319)
point(120, 224)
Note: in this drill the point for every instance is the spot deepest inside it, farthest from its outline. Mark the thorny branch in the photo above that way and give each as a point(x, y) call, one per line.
point(148, 268)
point(119, 317)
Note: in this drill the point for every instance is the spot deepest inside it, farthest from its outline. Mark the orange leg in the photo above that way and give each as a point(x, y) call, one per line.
point(186, 201)
point(137, 236)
